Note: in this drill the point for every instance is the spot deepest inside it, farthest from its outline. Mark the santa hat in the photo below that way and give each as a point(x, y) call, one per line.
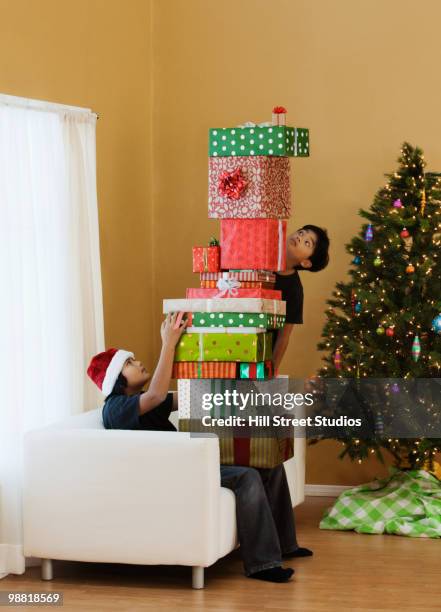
point(105, 368)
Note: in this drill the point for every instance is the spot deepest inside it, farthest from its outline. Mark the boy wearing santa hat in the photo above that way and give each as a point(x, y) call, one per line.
point(121, 378)
point(265, 519)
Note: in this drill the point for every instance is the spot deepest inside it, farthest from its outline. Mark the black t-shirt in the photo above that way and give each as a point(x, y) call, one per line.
point(122, 412)
point(292, 292)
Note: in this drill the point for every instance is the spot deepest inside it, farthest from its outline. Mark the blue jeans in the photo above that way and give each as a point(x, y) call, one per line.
point(264, 514)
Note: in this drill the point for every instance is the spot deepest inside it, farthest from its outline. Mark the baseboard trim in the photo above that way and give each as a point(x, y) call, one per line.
point(326, 490)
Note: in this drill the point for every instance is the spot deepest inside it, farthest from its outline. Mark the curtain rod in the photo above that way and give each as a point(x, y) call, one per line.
point(43, 104)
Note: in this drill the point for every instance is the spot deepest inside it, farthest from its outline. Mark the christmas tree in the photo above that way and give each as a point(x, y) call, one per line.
point(385, 322)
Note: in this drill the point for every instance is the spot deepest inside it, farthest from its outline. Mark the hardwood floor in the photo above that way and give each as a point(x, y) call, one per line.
point(347, 572)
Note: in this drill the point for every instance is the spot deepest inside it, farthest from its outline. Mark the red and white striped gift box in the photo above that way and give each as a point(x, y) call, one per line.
point(204, 369)
point(262, 276)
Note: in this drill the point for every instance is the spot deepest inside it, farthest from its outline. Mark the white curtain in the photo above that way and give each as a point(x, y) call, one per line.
point(51, 315)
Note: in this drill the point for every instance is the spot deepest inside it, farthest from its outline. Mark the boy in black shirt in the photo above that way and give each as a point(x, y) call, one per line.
point(306, 249)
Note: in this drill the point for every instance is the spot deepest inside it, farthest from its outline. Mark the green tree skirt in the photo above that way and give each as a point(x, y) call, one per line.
point(406, 503)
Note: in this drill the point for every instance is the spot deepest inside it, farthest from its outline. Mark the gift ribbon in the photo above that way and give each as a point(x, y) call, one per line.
point(228, 287)
point(295, 141)
point(205, 256)
point(210, 303)
point(248, 124)
point(201, 347)
point(281, 245)
point(231, 185)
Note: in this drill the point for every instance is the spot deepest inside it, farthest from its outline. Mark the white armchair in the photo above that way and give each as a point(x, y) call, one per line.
point(142, 497)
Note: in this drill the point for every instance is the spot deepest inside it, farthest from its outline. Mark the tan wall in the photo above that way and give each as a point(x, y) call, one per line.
point(361, 75)
point(97, 54)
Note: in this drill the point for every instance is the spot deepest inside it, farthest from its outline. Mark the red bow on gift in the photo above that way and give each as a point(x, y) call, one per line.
point(232, 184)
point(277, 110)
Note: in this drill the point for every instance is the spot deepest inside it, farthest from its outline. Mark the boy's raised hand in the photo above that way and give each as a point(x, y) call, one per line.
point(171, 331)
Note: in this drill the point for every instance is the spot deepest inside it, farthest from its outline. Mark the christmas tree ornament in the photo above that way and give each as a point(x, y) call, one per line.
point(380, 330)
point(377, 261)
point(379, 424)
point(404, 233)
point(398, 204)
point(436, 324)
point(358, 307)
point(369, 233)
point(423, 202)
point(395, 388)
point(337, 360)
point(357, 260)
point(410, 269)
point(353, 301)
point(416, 349)
point(390, 332)
point(408, 243)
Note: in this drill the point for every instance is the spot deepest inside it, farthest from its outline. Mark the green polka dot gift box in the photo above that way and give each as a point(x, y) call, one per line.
point(236, 319)
point(271, 140)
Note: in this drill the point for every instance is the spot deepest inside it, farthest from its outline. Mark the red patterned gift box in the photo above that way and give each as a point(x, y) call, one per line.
point(265, 294)
point(253, 243)
point(212, 284)
point(240, 275)
point(206, 259)
point(262, 370)
point(205, 369)
point(249, 187)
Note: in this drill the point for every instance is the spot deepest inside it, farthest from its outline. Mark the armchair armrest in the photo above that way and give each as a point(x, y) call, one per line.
point(121, 496)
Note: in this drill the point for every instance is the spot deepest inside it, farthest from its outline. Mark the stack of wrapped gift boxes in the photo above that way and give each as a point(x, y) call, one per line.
point(231, 315)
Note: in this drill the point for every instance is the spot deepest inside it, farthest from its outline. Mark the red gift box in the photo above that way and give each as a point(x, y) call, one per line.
point(253, 244)
point(206, 259)
point(212, 284)
point(204, 369)
point(249, 187)
point(265, 294)
point(279, 115)
point(241, 275)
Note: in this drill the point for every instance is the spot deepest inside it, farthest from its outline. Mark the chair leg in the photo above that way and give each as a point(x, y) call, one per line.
point(198, 577)
point(47, 570)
